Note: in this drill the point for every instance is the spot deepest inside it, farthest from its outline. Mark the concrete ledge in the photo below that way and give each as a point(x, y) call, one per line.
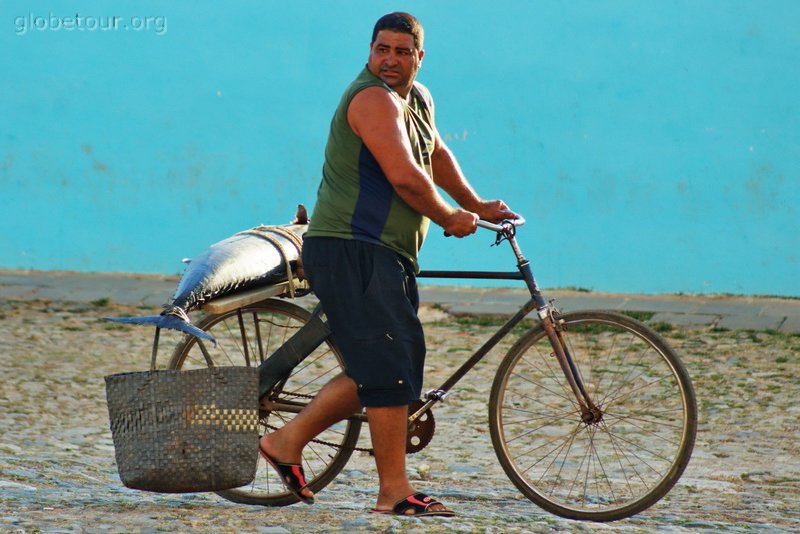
point(685, 320)
point(746, 322)
point(695, 311)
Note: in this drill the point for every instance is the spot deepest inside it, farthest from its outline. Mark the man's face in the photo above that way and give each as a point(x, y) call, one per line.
point(395, 60)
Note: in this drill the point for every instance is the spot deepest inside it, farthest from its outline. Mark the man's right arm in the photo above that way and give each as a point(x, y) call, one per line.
point(377, 118)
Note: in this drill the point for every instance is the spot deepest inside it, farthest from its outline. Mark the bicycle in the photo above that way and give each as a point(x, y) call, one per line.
point(592, 415)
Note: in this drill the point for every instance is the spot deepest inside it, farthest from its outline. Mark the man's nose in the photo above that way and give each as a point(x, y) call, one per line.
point(391, 59)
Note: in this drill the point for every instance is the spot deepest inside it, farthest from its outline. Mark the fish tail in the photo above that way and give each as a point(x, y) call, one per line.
point(173, 318)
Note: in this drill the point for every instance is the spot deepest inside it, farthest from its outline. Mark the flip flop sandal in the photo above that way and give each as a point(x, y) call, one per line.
point(291, 475)
point(419, 503)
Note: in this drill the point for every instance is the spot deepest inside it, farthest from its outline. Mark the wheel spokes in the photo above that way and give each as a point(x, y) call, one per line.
point(613, 462)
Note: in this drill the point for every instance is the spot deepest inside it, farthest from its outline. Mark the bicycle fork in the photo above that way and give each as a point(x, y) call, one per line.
point(590, 412)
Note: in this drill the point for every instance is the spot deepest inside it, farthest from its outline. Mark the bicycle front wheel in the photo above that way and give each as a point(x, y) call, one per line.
point(610, 468)
point(247, 336)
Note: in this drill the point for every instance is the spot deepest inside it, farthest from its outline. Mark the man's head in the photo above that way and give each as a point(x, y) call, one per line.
point(395, 52)
point(401, 23)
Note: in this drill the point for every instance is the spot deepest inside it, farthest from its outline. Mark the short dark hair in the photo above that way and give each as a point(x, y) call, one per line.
point(400, 22)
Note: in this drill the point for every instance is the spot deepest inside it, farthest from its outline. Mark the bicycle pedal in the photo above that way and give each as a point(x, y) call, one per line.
point(436, 394)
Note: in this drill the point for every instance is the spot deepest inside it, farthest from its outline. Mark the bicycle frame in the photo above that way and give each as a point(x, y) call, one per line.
point(308, 338)
point(546, 312)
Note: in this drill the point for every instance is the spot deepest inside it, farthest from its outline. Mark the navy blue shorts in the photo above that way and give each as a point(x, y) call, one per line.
point(369, 294)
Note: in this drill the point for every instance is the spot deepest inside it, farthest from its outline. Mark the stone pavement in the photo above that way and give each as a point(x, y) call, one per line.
point(691, 311)
point(58, 474)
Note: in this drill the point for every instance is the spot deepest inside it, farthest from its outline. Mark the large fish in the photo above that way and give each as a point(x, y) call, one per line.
point(257, 257)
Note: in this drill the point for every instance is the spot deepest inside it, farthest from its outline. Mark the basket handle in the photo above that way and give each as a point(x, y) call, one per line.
point(155, 349)
point(204, 350)
point(154, 354)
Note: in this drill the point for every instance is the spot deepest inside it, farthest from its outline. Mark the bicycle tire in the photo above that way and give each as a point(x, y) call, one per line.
point(267, 325)
point(602, 471)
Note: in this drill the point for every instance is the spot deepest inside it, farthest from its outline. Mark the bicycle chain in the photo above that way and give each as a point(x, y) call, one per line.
point(422, 429)
point(320, 441)
point(329, 444)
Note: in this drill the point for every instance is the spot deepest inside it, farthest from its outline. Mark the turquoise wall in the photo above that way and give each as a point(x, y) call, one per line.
point(653, 146)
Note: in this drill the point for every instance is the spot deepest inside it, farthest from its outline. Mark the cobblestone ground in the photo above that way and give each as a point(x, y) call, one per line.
point(57, 471)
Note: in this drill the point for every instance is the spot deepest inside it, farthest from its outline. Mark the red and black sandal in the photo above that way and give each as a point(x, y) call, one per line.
point(291, 475)
point(420, 506)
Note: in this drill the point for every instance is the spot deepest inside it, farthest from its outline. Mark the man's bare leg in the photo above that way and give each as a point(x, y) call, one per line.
point(337, 400)
point(388, 427)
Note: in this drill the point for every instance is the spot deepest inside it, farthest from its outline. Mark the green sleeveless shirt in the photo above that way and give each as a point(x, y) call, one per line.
point(355, 200)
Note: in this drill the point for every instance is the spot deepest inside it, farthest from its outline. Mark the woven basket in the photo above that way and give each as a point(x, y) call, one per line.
point(185, 431)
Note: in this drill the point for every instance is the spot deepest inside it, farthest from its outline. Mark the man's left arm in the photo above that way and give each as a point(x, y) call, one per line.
point(447, 174)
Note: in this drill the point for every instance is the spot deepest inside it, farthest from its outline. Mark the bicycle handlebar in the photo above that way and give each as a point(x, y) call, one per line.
point(519, 221)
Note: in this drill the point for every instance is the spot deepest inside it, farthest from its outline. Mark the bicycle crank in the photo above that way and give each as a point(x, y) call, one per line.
point(420, 432)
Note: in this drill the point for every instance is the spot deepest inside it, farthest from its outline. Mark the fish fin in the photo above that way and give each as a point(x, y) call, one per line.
point(165, 321)
point(301, 217)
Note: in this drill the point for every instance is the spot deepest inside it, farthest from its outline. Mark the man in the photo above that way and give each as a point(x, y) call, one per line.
point(383, 161)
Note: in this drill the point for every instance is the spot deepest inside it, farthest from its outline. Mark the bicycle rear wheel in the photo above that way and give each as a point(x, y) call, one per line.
point(246, 337)
point(605, 470)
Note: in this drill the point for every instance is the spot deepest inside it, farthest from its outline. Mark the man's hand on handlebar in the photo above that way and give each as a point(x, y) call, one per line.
point(460, 223)
point(495, 211)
